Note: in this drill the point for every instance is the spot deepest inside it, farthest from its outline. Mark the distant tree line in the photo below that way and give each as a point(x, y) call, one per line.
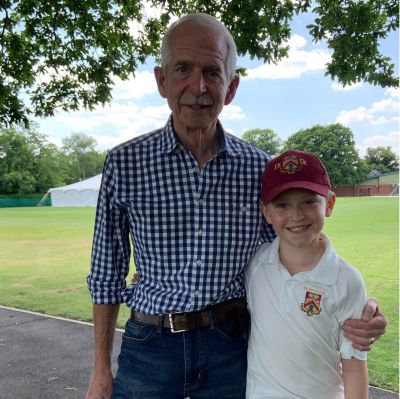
point(30, 164)
point(335, 145)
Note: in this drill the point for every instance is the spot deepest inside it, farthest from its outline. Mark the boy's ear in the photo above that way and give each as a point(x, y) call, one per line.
point(330, 203)
point(265, 212)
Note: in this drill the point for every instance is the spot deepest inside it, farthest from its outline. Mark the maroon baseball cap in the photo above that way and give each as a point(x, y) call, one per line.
point(294, 169)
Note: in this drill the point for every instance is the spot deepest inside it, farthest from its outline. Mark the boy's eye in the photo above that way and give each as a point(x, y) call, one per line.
point(281, 205)
point(310, 202)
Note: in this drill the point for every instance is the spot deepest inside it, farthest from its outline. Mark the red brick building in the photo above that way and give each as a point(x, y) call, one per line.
point(376, 185)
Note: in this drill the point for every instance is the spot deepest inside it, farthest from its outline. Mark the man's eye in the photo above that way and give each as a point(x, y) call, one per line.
point(181, 68)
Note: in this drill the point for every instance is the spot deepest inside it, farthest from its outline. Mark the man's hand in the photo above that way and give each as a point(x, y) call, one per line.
point(364, 332)
point(100, 386)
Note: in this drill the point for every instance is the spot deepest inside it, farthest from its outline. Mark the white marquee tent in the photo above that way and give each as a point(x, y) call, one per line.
point(82, 193)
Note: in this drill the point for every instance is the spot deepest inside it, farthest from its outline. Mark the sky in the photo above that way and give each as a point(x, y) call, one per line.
point(292, 95)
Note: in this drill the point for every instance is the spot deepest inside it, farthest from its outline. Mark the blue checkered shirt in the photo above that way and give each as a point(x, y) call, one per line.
point(193, 230)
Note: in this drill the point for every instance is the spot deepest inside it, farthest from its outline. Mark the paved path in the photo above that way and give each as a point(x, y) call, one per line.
point(43, 357)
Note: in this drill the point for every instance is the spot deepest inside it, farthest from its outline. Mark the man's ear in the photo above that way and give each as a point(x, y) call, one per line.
point(330, 203)
point(160, 79)
point(231, 91)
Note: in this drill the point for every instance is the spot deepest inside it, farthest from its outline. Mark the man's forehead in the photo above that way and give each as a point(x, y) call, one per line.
point(210, 42)
point(190, 52)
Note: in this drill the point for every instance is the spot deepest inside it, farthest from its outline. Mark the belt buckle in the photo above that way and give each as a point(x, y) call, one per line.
point(171, 323)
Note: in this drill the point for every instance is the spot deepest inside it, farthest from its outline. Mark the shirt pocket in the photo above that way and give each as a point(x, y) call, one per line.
point(243, 221)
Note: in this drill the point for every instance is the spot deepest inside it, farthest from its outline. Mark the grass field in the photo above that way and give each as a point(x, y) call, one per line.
point(45, 254)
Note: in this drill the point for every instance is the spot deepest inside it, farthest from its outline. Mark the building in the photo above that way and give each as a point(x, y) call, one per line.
point(377, 184)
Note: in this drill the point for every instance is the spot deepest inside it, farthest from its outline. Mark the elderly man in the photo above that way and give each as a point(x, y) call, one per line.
point(188, 195)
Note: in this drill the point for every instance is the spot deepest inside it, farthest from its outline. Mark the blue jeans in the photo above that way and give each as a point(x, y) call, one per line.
point(206, 363)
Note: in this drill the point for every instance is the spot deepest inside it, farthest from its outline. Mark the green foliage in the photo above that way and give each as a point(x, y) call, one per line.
point(64, 55)
point(17, 161)
point(264, 139)
point(81, 151)
point(29, 164)
point(382, 159)
point(335, 146)
point(353, 30)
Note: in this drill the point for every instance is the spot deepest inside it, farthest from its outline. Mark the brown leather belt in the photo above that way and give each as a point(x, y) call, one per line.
point(179, 322)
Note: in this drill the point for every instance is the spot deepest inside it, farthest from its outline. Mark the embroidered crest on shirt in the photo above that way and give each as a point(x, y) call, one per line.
point(290, 164)
point(312, 302)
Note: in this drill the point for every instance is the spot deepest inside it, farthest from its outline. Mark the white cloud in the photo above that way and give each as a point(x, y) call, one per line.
point(393, 92)
point(135, 87)
point(298, 62)
point(232, 112)
point(123, 121)
point(391, 139)
point(357, 115)
point(339, 87)
point(296, 42)
point(389, 107)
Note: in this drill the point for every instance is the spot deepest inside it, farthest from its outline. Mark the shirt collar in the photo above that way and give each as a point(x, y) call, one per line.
point(325, 272)
point(169, 141)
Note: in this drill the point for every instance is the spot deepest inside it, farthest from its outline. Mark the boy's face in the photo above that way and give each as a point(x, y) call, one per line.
point(297, 215)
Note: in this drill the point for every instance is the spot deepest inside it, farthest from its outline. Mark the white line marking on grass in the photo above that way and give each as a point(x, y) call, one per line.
point(52, 317)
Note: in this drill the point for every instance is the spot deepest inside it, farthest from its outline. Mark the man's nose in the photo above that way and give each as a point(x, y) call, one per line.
point(198, 83)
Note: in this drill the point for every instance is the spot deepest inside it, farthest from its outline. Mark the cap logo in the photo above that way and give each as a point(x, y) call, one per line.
point(290, 164)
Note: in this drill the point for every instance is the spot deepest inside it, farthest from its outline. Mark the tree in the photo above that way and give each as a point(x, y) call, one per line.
point(84, 160)
point(382, 159)
point(264, 139)
point(30, 164)
point(64, 55)
point(17, 161)
point(52, 168)
point(335, 146)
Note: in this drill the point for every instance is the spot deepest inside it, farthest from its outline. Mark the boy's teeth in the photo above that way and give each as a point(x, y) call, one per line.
point(296, 228)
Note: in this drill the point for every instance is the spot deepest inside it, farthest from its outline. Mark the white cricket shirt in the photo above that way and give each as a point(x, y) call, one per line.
point(296, 343)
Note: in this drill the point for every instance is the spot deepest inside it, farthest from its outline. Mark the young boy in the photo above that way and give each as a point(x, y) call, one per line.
point(300, 292)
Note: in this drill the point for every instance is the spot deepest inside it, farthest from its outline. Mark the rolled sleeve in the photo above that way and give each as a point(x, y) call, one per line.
point(111, 246)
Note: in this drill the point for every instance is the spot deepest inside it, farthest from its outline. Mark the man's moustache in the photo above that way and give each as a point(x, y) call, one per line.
point(194, 100)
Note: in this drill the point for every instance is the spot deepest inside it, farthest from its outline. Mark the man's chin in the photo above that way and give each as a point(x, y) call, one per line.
point(197, 122)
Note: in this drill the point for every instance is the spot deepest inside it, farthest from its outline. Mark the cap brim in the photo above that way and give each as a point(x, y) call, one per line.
point(317, 188)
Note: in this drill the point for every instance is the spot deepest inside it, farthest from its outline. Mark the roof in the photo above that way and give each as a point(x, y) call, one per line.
point(93, 183)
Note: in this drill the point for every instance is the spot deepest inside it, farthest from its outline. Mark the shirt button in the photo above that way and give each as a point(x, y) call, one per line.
point(199, 262)
point(196, 169)
point(200, 201)
point(243, 209)
point(200, 232)
point(197, 294)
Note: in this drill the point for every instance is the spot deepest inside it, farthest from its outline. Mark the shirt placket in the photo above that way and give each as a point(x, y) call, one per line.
point(199, 289)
